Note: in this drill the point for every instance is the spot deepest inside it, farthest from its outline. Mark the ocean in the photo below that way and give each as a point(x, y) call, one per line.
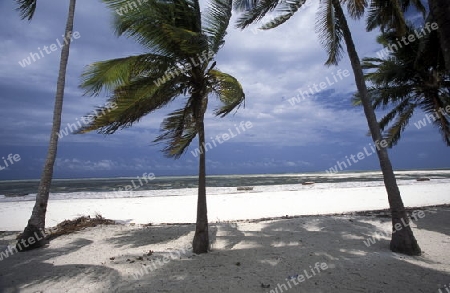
point(25, 190)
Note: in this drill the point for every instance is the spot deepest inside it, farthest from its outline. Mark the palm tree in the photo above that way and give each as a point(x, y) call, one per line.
point(440, 10)
point(34, 230)
point(332, 27)
point(181, 44)
point(388, 15)
point(412, 77)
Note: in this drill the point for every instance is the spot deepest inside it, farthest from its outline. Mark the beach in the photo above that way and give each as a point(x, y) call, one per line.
point(294, 199)
point(305, 240)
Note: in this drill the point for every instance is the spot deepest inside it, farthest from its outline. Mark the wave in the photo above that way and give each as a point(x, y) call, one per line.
point(353, 180)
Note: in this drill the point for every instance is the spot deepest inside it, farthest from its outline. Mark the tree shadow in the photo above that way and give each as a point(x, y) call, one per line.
point(437, 220)
point(150, 235)
point(245, 257)
point(16, 275)
point(224, 236)
point(6, 237)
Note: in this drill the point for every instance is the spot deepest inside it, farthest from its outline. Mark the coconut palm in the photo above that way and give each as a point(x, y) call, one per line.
point(387, 15)
point(333, 28)
point(181, 43)
point(36, 224)
point(412, 77)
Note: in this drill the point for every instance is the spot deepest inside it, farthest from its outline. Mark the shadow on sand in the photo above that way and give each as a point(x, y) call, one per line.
point(245, 256)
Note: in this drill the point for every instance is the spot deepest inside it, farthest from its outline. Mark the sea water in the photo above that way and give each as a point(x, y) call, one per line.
point(95, 188)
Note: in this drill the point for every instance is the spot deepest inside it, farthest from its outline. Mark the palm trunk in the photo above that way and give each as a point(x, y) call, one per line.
point(33, 236)
point(403, 240)
point(440, 10)
point(201, 238)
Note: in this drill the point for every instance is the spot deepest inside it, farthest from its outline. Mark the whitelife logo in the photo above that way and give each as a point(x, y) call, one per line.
point(49, 49)
point(225, 136)
point(317, 88)
point(11, 159)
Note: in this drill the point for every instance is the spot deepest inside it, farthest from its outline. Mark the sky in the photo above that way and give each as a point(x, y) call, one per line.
point(271, 134)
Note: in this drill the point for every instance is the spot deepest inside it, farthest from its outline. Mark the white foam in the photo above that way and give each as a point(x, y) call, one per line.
point(224, 190)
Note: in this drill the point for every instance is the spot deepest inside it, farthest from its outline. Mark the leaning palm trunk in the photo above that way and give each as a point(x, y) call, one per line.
point(403, 240)
point(33, 236)
point(440, 10)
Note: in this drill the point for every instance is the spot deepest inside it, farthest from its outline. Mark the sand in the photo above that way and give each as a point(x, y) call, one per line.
point(300, 200)
point(319, 253)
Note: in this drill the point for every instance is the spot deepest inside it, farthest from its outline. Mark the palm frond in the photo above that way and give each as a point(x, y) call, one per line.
point(436, 106)
point(287, 10)
point(216, 21)
point(173, 33)
point(178, 131)
point(356, 99)
point(415, 3)
point(386, 14)
point(229, 91)
point(371, 63)
point(394, 133)
point(188, 42)
point(429, 49)
point(107, 75)
point(330, 32)
point(387, 119)
point(443, 124)
point(355, 8)
point(26, 8)
point(385, 97)
point(254, 11)
point(412, 76)
point(134, 100)
point(155, 20)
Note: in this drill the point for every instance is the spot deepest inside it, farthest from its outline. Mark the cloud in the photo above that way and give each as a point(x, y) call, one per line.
point(272, 66)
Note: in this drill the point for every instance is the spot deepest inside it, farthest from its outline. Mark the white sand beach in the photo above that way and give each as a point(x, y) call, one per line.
point(309, 253)
point(300, 200)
